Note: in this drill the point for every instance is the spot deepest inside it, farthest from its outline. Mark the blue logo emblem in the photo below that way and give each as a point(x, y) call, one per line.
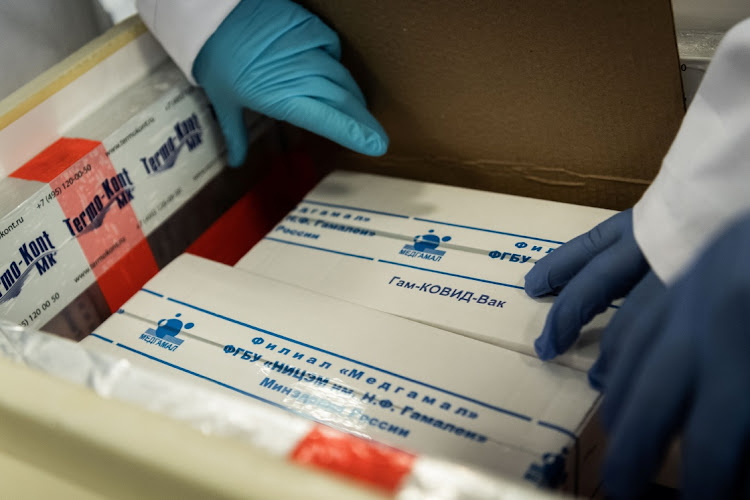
point(551, 472)
point(426, 247)
point(165, 335)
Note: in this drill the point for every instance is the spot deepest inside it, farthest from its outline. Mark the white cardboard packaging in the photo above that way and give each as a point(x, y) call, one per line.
point(404, 383)
point(159, 145)
point(164, 132)
point(445, 256)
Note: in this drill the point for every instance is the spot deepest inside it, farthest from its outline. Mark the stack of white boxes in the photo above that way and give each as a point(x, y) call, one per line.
point(390, 309)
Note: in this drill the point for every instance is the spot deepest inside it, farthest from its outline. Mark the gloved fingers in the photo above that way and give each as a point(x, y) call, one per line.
point(616, 333)
point(302, 31)
point(650, 418)
point(297, 75)
point(235, 133)
point(555, 270)
point(608, 276)
point(332, 112)
point(624, 368)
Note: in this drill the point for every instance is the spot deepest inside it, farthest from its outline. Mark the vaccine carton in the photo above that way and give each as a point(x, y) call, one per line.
point(359, 370)
point(449, 257)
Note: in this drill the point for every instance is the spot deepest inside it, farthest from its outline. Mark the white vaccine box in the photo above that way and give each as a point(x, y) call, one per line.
point(356, 369)
point(445, 256)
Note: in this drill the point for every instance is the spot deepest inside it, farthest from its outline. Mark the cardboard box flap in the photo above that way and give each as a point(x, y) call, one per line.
point(570, 101)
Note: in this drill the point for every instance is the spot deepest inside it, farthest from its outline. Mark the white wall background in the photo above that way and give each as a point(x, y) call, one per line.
point(709, 15)
point(36, 34)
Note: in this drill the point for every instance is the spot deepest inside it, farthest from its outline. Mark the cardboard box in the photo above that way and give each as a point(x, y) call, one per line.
point(449, 257)
point(355, 369)
point(569, 101)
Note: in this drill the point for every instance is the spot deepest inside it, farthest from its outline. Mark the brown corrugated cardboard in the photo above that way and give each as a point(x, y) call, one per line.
point(568, 101)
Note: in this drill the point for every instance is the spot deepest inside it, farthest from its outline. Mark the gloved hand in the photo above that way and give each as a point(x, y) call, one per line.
point(588, 272)
point(683, 364)
point(640, 299)
point(276, 58)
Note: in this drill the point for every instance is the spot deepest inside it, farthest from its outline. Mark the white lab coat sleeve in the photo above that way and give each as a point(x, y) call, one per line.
point(183, 26)
point(704, 181)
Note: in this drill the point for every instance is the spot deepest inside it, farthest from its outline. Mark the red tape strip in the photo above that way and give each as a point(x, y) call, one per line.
point(366, 461)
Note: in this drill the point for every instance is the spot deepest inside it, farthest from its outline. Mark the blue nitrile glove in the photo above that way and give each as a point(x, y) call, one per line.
point(276, 58)
point(588, 272)
point(685, 368)
point(640, 299)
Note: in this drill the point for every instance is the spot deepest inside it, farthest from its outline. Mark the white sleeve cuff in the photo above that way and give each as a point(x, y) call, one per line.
point(663, 230)
point(183, 26)
point(704, 181)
